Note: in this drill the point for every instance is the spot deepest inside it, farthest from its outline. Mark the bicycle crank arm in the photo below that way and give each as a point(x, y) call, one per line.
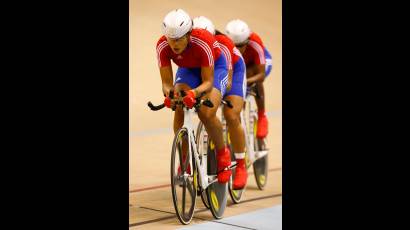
point(232, 166)
point(212, 179)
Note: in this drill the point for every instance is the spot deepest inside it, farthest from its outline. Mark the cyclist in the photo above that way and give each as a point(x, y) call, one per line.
point(258, 65)
point(235, 94)
point(202, 68)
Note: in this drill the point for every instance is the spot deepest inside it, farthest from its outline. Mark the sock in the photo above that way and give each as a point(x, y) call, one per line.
point(239, 156)
point(240, 159)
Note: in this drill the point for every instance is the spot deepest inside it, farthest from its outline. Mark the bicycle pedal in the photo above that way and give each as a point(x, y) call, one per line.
point(227, 168)
point(233, 165)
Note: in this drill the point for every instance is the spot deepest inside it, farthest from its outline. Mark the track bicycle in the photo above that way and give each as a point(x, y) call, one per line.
point(192, 171)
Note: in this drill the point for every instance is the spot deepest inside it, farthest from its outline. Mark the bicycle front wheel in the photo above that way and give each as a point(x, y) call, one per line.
point(182, 178)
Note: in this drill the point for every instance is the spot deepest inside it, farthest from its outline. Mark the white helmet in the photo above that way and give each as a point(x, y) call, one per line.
point(238, 31)
point(176, 24)
point(204, 23)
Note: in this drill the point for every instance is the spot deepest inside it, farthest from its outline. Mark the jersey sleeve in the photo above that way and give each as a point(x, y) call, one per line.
point(258, 55)
point(227, 48)
point(227, 54)
point(162, 57)
point(256, 45)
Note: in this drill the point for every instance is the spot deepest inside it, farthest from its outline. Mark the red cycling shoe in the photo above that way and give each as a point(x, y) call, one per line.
point(223, 160)
point(241, 175)
point(262, 131)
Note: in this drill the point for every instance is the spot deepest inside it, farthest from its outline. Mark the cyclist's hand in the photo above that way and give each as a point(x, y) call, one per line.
point(167, 102)
point(169, 95)
point(189, 99)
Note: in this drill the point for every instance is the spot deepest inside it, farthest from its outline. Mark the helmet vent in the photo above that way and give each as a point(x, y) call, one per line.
point(181, 23)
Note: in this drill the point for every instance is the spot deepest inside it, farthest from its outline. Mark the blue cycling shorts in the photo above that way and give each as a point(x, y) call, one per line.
point(238, 79)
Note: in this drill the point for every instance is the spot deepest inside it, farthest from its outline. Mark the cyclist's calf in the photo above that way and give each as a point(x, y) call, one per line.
point(232, 116)
point(211, 122)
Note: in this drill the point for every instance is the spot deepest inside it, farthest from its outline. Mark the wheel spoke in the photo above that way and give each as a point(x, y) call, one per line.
point(183, 197)
point(189, 187)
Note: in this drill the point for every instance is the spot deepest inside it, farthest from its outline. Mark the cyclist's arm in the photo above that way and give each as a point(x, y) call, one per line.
point(207, 75)
point(259, 76)
point(167, 79)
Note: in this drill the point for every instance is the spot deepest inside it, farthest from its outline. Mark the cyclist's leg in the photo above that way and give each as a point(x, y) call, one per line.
point(186, 79)
point(208, 115)
point(232, 116)
point(233, 120)
point(236, 96)
point(260, 102)
point(211, 122)
point(262, 131)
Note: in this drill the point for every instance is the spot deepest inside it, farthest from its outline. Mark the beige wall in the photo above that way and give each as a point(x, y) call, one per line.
point(263, 16)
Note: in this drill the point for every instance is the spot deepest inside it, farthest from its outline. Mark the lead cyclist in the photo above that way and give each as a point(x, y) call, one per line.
point(201, 68)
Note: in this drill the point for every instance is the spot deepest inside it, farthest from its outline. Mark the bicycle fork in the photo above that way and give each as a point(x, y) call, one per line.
point(204, 179)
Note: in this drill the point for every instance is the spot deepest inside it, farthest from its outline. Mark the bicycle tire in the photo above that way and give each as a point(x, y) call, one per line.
point(177, 179)
point(216, 192)
point(235, 194)
point(260, 166)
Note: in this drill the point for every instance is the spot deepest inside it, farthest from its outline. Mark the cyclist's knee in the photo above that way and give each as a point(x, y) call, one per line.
point(206, 115)
point(231, 117)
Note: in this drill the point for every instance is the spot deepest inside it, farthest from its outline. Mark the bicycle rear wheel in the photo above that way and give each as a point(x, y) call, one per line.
point(216, 192)
point(260, 166)
point(202, 143)
point(236, 195)
point(182, 178)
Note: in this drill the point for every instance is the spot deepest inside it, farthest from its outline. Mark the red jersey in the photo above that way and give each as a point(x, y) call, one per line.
point(254, 52)
point(202, 50)
point(229, 49)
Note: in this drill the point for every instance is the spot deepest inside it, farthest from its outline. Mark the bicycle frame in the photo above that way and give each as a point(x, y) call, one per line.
point(204, 179)
point(251, 113)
